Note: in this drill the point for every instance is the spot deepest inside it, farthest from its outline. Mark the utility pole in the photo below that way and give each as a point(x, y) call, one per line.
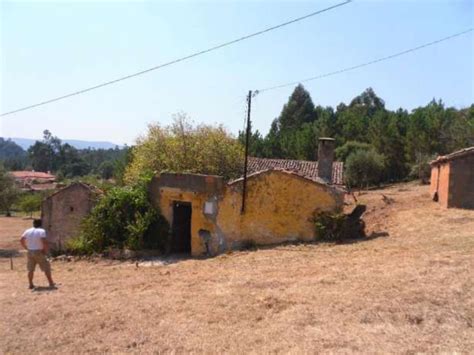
point(247, 137)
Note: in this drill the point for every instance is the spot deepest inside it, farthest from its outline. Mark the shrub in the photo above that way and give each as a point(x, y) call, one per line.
point(329, 226)
point(30, 203)
point(335, 227)
point(344, 151)
point(364, 168)
point(248, 244)
point(124, 218)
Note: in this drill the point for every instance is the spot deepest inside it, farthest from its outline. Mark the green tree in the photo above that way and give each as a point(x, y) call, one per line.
point(124, 218)
point(8, 191)
point(421, 168)
point(30, 203)
point(43, 155)
point(425, 131)
point(298, 110)
point(385, 132)
point(344, 151)
point(106, 170)
point(183, 147)
point(364, 168)
point(369, 101)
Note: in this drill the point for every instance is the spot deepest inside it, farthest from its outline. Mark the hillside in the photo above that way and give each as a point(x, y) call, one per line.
point(25, 143)
point(408, 288)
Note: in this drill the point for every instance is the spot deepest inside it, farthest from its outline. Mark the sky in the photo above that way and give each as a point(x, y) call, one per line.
point(49, 49)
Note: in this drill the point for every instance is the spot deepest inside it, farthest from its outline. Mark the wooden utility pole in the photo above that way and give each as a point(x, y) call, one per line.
point(247, 138)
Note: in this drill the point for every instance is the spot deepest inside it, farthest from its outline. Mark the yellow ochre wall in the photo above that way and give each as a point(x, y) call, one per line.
point(279, 207)
point(199, 220)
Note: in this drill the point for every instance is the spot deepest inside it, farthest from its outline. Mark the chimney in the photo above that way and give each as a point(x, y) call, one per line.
point(325, 158)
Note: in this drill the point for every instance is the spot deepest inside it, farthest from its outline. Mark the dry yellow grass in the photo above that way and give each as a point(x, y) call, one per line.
point(410, 291)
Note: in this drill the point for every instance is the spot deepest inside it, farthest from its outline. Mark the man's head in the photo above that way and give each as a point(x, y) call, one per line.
point(37, 223)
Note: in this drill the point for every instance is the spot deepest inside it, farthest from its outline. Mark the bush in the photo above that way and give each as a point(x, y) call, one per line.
point(364, 168)
point(124, 218)
point(248, 244)
point(335, 227)
point(30, 203)
point(344, 151)
point(329, 227)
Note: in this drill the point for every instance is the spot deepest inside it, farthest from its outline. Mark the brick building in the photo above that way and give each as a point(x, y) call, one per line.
point(452, 179)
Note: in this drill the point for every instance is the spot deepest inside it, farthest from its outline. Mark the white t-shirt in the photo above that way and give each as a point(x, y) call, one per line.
point(34, 238)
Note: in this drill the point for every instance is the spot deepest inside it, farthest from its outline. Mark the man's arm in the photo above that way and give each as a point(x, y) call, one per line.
point(23, 242)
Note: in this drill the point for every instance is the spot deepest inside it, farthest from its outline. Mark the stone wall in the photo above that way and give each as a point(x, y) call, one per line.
point(279, 208)
point(63, 212)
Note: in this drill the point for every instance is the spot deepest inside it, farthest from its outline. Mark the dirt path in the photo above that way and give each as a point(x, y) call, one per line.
point(407, 290)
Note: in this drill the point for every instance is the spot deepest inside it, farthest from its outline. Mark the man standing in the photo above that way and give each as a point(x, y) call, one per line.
point(34, 240)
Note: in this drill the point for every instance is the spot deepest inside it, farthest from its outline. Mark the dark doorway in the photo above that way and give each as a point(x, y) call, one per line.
point(181, 240)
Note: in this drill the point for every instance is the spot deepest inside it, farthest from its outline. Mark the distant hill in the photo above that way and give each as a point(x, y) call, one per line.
point(25, 143)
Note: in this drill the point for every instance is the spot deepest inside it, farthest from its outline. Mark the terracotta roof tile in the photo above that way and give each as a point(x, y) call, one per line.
point(303, 168)
point(454, 155)
point(32, 175)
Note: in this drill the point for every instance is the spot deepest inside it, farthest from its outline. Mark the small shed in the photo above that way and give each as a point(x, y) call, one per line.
point(452, 179)
point(63, 211)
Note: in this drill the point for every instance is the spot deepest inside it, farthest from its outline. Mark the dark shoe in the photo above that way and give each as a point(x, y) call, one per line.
point(53, 287)
point(31, 287)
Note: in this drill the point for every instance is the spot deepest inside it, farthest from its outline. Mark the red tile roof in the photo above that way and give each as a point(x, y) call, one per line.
point(23, 175)
point(40, 187)
point(454, 155)
point(303, 168)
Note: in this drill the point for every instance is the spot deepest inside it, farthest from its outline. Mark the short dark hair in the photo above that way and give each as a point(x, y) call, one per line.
point(37, 223)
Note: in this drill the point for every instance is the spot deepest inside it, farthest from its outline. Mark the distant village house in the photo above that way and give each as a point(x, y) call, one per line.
point(34, 180)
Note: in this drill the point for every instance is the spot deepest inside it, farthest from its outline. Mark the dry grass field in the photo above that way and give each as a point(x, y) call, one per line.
point(407, 289)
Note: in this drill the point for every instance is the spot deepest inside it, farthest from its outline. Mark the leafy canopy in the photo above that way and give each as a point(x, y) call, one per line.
point(364, 168)
point(183, 147)
point(8, 191)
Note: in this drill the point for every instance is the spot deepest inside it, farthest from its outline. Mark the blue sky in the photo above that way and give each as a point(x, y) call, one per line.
point(53, 48)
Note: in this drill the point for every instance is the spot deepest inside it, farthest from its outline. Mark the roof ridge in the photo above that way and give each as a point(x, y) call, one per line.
point(456, 154)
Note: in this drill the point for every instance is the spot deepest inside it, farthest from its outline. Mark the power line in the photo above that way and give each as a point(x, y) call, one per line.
point(179, 59)
point(366, 63)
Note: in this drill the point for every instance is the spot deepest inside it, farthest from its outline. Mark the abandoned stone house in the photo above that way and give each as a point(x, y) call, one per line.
point(452, 179)
point(63, 212)
point(281, 199)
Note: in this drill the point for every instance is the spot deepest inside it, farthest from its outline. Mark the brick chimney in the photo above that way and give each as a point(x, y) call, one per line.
point(325, 158)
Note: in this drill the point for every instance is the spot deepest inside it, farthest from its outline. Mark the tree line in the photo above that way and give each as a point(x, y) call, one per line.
point(376, 144)
point(394, 143)
point(64, 160)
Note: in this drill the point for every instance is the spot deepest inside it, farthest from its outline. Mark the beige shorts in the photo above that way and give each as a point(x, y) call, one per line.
point(37, 257)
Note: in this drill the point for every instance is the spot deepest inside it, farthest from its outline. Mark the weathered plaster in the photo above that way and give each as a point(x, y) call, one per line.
point(279, 208)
